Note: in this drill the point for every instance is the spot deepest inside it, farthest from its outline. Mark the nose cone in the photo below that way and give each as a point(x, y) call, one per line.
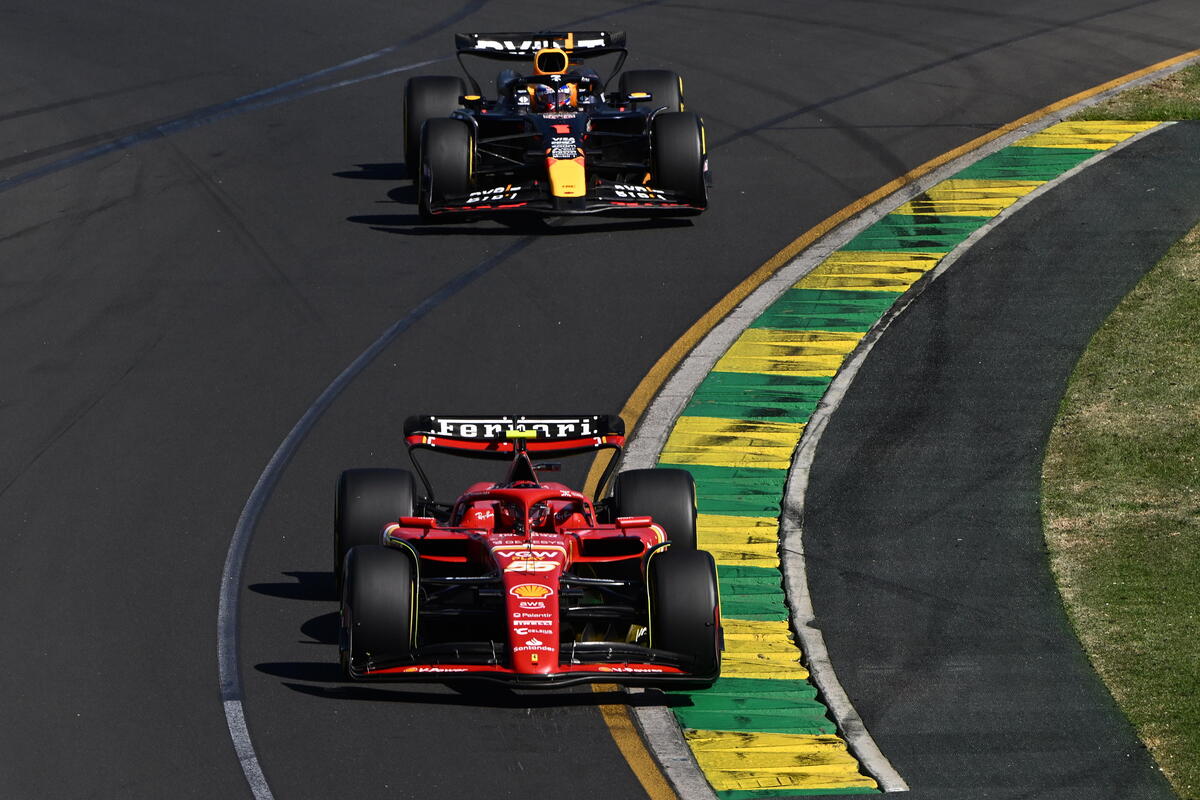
point(532, 616)
point(568, 178)
point(531, 581)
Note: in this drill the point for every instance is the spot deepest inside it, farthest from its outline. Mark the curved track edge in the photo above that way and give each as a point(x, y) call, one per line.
point(661, 397)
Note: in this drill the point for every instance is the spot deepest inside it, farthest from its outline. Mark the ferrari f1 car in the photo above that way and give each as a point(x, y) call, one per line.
point(554, 140)
point(524, 582)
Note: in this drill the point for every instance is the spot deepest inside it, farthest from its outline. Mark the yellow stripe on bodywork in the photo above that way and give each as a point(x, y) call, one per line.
point(732, 442)
point(969, 198)
point(760, 649)
point(1085, 135)
point(568, 178)
point(739, 541)
point(734, 760)
point(778, 352)
point(869, 271)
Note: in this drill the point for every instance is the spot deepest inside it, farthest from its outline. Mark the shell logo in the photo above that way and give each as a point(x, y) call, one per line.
point(530, 590)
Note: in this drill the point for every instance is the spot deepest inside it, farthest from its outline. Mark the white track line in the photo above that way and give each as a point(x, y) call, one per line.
point(660, 729)
point(232, 693)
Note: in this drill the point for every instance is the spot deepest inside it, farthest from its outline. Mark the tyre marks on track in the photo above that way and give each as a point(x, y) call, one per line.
point(762, 731)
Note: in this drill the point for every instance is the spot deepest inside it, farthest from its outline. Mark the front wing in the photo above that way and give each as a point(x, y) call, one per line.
point(602, 198)
point(628, 665)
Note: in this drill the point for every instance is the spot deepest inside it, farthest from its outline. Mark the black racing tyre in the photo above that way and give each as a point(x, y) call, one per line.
point(367, 500)
point(665, 87)
point(677, 155)
point(426, 97)
point(446, 156)
point(667, 495)
point(685, 610)
point(378, 604)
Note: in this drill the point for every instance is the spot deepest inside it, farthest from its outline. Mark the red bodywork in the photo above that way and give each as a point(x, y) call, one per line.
point(531, 556)
point(519, 581)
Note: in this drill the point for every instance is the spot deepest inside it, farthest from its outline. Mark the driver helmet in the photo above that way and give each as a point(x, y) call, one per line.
point(544, 97)
point(540, 517)
point(508, 516)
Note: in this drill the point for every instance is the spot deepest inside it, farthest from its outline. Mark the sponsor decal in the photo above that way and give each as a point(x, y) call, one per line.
point(529, 554)
point(563, 147)
point(526, 565)
point(527, 631)
point(534, 605)
point(527, 615)
point(559, 115)
point(634, 192)
point(530, 45)
point(531, 590)
point(436, 669)
point(542, 622)
point(629, 669)
point(494, 428)
point(533, 644)
point(508, 192)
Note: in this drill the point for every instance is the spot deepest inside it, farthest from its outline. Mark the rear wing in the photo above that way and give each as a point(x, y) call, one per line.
point(489, 436)
point(524, 46)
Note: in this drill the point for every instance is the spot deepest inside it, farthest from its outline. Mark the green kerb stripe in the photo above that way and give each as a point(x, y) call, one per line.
point(826, 310)
point(756, 595)
point(747, 395)
point(925, 233)
point(737, 491)
point(1026, 164)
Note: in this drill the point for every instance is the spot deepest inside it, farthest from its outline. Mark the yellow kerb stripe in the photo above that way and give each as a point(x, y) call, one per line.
point(969, 198)
point(778, 352)
point(760, 649)
point(869, 271)
point(732, 442)
point(1085, 135)
point(740, 541)
point(734, 760)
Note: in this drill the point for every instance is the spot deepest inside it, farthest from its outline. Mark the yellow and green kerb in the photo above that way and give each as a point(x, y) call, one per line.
point(761, 730)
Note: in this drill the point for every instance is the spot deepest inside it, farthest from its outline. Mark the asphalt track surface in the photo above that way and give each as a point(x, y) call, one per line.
point(923, 531)
point(184, 273)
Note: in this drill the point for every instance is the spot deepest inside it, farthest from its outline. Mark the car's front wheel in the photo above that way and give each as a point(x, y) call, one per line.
point(378, 606)
point(446, 157)
point(678, 155)
point(685, 615)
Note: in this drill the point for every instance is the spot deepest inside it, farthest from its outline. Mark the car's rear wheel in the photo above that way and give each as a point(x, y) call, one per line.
point(665, 88)
point(426, 97)
point(378, 605)
point(667, 495)
point(684, 610)
point(677, 155)
point(367, 500)
point(446, 157)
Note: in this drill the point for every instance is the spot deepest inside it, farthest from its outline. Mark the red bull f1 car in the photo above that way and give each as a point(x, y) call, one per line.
point(554, 140)
point(524, 581)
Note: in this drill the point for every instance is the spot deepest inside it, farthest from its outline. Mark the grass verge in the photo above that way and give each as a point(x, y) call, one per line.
point(1122, 508)
point(1175, 97)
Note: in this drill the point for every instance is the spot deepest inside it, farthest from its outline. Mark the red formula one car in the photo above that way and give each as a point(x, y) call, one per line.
point(524, 581)
point(554, 140)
